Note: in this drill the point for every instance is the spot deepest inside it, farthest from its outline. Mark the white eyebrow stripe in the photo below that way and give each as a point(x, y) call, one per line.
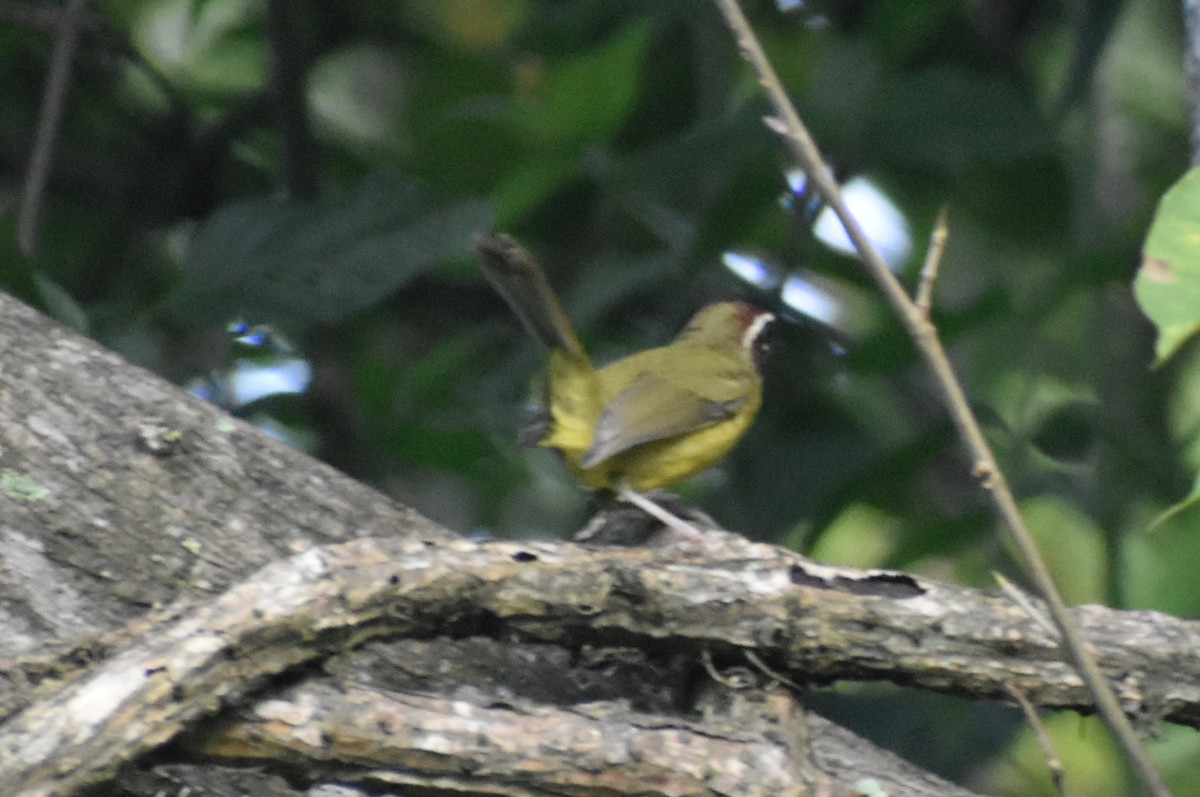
point(756, 327)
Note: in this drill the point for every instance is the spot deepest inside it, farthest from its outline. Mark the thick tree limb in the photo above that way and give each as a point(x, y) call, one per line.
point(812, 622)
point(353, 727)
point(119, 493)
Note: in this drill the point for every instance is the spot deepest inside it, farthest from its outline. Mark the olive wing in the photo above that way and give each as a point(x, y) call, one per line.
point(656, 408)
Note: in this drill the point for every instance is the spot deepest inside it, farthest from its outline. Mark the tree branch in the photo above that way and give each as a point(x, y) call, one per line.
point(358, 728)
point(54, 100)
point(289, 82)
point(932, 264)
point(1191, 25)
point(812, 622)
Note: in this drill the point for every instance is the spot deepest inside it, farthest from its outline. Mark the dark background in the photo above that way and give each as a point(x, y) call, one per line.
point(315, 170)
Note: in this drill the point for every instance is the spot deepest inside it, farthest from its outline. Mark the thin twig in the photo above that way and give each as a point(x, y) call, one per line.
point(1191, 22)
point(54, 100)
point(795, 134)
point(762, 667)
point(710, 667)
point(48, 19)
point(933, 262)
point(1053, 762)
point(289, 76)
point(1021, 599)
point(44, 19)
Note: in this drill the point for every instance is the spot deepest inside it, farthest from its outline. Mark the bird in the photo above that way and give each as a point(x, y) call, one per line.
point(653, 418)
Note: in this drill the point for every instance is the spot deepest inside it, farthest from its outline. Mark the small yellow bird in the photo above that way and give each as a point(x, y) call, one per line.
point(650, 419)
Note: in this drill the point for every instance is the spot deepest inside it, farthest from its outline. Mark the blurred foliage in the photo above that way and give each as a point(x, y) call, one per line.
point(621, 141)
point(1167, 286)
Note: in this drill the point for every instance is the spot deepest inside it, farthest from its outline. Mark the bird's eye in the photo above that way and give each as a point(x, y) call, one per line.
point(759, 337)
point(762, 346)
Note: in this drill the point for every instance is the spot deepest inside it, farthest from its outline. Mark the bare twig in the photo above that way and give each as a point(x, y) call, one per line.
point(1021, 599)
point(778, 677)
point(933, 262)
point(1053, 763)
point(1191, 19)
point(54, 99)
point(288, 80)
point(44, 19)
point(710, 667)
point(796, 136)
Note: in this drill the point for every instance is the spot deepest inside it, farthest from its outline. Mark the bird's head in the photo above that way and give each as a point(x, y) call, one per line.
point(736, 324)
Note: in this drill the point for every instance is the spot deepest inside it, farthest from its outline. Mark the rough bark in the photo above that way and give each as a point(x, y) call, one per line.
point(171, 574)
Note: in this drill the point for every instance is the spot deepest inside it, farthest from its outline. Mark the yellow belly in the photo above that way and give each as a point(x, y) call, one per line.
point(664, 462)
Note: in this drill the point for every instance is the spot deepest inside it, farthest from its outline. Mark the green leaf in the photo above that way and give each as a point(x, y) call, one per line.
point(1183, 409)
point(1072, 545)
point(1079, 743)
point(861, 536)
point(1167, 285)
point(357, 97)
point(271, 261)
point(529, 183)
point(588, 97)
point(1160, 562)
point(207, 45)
point(60, 304)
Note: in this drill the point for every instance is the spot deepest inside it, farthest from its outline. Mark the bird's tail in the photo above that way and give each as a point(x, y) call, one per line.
point(519, 279)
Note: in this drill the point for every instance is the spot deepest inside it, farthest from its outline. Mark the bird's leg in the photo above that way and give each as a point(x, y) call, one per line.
point(658, 513)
